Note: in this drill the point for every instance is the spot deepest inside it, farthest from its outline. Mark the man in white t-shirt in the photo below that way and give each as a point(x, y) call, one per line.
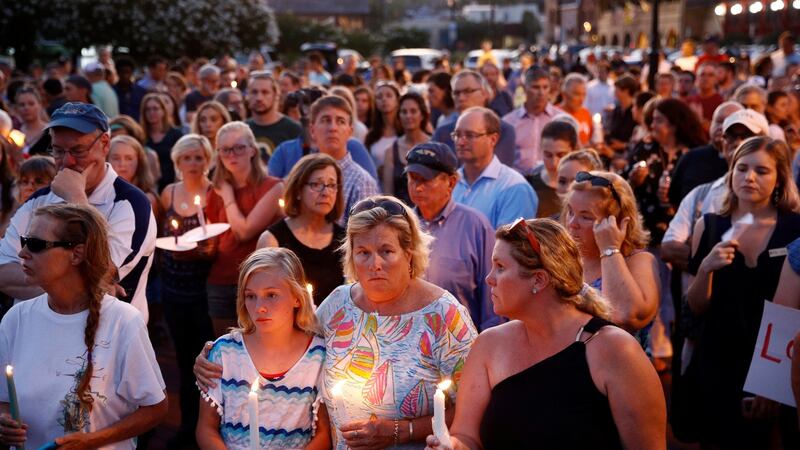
point(599, 91)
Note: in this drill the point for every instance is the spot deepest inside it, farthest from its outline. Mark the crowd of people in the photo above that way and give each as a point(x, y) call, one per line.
point(551, 238)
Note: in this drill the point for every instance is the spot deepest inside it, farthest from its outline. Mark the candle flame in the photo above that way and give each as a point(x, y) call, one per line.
point(174, 224)
point(254, 387)
point(597, 118)
point(444, 385)
point(197, 200)
point(310, 288)
point(18, 137)
point(281, 203)
point(234, 84)
point(337, 388)
point(9, 370)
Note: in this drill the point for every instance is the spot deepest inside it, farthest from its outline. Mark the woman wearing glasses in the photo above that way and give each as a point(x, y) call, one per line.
point(600, 214)
point(390, 337)
point(314, 201)
point(86, 374)
point(559, 375)
point(245, 197)
point(732, 278)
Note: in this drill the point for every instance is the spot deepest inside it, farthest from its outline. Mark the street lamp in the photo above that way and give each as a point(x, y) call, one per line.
point(720, 9)
point(756, 7)
point(737, 9)
point(777, 5)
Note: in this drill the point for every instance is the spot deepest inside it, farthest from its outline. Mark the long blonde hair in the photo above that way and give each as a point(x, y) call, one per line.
point(258, 172)
point(285, 261)
point(558, 256)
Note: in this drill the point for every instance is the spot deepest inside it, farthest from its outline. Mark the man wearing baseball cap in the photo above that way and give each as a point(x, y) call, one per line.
point(461, 252)
point(80, 144)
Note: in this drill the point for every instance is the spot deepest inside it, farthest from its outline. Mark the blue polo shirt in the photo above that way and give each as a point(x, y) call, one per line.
point(500, 193)
point(460, 259)
point(286, 155)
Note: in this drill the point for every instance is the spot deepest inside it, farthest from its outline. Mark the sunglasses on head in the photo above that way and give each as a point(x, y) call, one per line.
point(600, 182)
point(390, 206)
point(522, 225)
point(36, 245)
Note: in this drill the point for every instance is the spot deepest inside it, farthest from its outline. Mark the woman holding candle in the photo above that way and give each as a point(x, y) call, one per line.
point(732, 278)
point(390, 337)
point(91, 380)
point(277, 352)
point(184, 274)
point(314, 202)
point(558, 375)
point(247, 198)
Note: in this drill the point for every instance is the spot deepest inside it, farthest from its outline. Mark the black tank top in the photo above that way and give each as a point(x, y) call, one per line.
point(553, 404)
point(399, 178)
point(323, 267)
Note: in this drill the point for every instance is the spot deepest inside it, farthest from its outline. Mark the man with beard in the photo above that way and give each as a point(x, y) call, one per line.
point(269, 126)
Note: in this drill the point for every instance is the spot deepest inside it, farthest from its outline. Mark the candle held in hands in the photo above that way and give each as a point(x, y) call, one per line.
point(439, 424)
point(281, 203)
point(338, 401)
point(175, 230)
point(200, 214)
point(17, 137)
point(597, 129)
point(252, 406)
point(12, 393)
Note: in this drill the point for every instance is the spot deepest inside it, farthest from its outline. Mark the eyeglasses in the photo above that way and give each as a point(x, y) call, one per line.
point(320, 187)
point(522, 225)
point(390, 206)
point(59, 153)
point(36, 245)
point(459, 92)
point(580, 177)
point(237, 150)
point(468, 135)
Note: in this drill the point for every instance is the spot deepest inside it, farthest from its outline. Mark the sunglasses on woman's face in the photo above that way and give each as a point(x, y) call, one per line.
point(392, 207)
point(36, 245)
point(600, 182)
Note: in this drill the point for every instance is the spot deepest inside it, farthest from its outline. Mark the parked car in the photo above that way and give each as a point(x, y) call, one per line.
point(363, 65)
point(500, 55)
point(415, 59)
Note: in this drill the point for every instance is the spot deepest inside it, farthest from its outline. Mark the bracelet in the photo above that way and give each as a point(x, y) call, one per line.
point(396, 432)
point(410, 430)
point(610, 251)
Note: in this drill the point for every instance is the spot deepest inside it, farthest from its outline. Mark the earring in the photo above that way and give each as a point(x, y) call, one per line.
point(776, 195)
point(535, 290)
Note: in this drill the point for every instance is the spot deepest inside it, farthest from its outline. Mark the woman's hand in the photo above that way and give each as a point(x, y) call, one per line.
point(205, 371)
point(432, 443)
point(720, 256)
point(608, 234)
point(225, 191)
point(760, 408)
point(75, 441)
point(368, 434)
point(12, 432)
point(638, 174)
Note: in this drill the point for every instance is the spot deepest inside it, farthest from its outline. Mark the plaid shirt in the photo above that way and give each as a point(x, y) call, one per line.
point(358, 184)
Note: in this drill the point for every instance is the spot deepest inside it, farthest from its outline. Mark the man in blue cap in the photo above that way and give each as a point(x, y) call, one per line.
point(461, 252)
point(80, 144)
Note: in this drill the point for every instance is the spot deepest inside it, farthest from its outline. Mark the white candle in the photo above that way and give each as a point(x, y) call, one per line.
point(597, 129)
point(310, 289)
point(281, 203)
point(338, 402)
point(439, 423)
point(17, 137)
point(200, 215)
point(175, 230)
point(252, 406)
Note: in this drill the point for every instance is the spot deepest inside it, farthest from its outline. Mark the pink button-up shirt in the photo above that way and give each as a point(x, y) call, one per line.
point(528, 130)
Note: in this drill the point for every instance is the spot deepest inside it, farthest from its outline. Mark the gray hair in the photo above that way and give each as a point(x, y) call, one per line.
point(208, 69)
point(573, 78)
point(476, 76)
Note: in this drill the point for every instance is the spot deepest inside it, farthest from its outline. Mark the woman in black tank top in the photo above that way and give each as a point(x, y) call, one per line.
point(558, 375)
point(313, 202)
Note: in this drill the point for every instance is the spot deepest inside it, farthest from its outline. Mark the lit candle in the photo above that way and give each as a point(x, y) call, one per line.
point(597, 129)
point(12, 393)
point(175, 230)
point(252, 406)
point(281, 203)
point(338, 402)
point(18, 137)
point(310, 289)
point(439, 423)
point(200, 215)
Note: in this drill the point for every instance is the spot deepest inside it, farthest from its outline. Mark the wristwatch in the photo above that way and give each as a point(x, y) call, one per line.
point(609, 252)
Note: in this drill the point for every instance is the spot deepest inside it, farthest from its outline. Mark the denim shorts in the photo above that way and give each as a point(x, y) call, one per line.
point(222, 301)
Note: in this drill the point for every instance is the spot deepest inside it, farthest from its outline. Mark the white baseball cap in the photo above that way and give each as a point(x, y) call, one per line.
point(754, 121)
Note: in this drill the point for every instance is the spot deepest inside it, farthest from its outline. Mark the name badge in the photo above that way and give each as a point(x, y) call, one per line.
point(775, 252)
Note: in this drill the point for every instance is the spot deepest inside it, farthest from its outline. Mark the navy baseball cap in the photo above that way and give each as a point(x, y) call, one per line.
point(431, 158)
point(81, 117)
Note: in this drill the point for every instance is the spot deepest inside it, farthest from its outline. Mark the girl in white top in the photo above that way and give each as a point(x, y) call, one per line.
point(86, 374)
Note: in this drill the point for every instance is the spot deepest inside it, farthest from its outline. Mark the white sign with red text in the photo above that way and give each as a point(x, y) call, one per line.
point(770, 371)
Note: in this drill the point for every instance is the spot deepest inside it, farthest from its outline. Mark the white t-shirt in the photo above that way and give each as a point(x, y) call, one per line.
point(680, 227)
point(48, 355)
point(379, 149)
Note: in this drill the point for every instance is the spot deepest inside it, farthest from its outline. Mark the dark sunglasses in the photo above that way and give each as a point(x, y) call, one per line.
point(521, 225)
point(390, 206)
point(36, 245)
point(600, 182)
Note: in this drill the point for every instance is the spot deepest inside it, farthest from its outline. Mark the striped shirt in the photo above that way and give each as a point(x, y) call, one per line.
point(131, 233)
